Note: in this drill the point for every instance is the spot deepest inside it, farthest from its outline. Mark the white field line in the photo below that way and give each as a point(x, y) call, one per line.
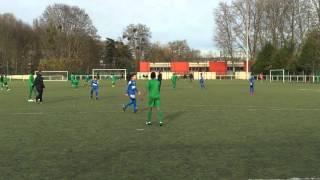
point(251, 109)
point(314, 178)
point(254, 108)
point(29, 113)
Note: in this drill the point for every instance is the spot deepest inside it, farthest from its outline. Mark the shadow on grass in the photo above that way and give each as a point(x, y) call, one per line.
point(173, 116)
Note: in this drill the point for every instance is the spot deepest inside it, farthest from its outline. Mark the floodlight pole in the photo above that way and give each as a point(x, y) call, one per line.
point(247, 58)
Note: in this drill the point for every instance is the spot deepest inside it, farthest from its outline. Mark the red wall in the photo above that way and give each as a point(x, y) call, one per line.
point(218, 66)
point(180, 67)
point(144, 66)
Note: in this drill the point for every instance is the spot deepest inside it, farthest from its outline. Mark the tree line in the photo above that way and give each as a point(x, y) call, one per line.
point(281, 33)
point(64, 38)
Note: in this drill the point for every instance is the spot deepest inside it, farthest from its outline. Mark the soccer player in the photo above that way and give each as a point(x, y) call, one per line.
point(71, 78)
point(1, 81)
point(191, 77)
point(4, 82)
point(74, 81)
point(160, 79)
point(31, 88)
point(154, 99)
point(251, 82)
point(174, 80)
point(202, 81)
point(94, 88)
point(131, 92)
point(113, 80)
point(38, 83)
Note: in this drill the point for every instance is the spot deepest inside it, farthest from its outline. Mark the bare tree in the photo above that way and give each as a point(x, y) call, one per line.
point(138, 39)
point(316, 4)
point(276, 21)
point(224, 34)
point(17, 45)
point(66, 34)
point(179, 49)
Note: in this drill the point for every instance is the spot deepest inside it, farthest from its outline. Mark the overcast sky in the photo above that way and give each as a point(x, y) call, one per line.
point(168, 19)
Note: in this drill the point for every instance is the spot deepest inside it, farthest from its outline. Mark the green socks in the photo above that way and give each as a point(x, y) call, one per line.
point(149, 116)
point(160, 116)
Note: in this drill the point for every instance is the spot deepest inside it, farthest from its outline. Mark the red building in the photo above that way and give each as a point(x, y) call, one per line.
point(183, 67)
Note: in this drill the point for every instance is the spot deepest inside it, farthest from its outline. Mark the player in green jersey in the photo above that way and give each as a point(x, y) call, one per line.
point(74, 81)
point(113, 80)
point(4, 82)
point(1, 81)
point(154, 98)
point(30, 87)
point(174, 79)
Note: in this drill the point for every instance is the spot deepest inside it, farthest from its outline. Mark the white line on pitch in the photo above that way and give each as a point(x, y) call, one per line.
point(32, 113)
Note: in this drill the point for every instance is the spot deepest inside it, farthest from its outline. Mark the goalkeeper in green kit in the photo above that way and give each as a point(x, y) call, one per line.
point(154, 98)
point(30, 87)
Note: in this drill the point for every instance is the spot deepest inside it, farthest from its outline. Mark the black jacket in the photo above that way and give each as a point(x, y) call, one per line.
point(38, 82)
point(160, 77)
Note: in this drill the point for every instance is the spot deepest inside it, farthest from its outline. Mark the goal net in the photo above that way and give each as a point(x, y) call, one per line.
point(277, 75)
point(107, 73)
point(54, 75)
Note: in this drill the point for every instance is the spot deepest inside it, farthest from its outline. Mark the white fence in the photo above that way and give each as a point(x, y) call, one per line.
point(213, 76)
point(293, 78)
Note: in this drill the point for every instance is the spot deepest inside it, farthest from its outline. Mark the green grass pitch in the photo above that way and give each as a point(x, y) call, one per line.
point(217, 133)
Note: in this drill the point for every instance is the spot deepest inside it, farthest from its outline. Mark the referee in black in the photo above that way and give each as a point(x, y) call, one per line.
point(39, 85)
point(160, 79)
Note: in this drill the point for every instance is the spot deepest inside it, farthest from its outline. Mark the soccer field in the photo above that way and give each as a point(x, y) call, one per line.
point(217, 133)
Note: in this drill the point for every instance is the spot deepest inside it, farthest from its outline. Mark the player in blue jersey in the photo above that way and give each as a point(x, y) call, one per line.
point(94, 88)
point(202, 81)
point(131, 92)
point(251, 82)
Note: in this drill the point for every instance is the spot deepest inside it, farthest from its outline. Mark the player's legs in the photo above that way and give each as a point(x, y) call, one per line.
point(174, 85)
point(97, 94)
point(134, 101)
point(251, 90)
point(76, 83)
point(159, 112)
point(202, 85)
point(149, 114)
point(39, 96)
point(30, 92)
point(91, 93)
point(6, 86)
point(129, 103)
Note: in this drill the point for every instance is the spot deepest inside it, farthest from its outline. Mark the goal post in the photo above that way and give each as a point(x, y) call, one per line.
point(107, 73)
point(277, 73)
point(54, 75)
